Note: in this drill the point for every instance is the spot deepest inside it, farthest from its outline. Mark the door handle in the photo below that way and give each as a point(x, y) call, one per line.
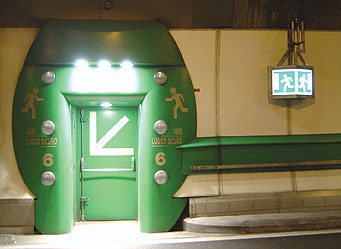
point(133, 163)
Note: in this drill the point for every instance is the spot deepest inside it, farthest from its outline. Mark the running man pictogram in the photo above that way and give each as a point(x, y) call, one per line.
point(29, 99)
point(302, 81)
point(179, 99)
point(287, 80)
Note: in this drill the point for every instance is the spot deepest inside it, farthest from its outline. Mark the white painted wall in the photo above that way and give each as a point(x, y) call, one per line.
point(14, 45)
point(322, 115)
point(198, 50)
point(233, 79)
point(259, 183)
point(244, 106)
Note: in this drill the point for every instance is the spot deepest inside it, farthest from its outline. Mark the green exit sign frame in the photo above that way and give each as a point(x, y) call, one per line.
point(291, 82)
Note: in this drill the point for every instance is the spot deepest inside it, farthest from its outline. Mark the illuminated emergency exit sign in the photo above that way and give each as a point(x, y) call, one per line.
point(291, 82)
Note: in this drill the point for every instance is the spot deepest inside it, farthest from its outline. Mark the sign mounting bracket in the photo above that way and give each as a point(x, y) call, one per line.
point(296, 44)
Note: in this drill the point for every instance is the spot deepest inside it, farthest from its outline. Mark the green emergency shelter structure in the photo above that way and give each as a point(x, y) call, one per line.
point(99, 109)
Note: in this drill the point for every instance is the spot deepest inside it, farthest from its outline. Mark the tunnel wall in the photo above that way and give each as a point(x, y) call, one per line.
point(228, 67)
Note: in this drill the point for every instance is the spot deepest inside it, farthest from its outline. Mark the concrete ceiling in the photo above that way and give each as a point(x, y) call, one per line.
point(173, 13)
point(256, 14)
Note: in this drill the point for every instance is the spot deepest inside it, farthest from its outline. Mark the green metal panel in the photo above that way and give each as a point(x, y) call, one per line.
point(257, 140)
point(143, 42)
point(112, 195)
point(32, 146)
point(259, 150)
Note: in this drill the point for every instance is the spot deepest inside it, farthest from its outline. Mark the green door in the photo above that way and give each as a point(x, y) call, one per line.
point(109, 145)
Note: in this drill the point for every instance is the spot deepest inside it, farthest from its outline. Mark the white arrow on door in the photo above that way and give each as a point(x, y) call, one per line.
point(96, 148)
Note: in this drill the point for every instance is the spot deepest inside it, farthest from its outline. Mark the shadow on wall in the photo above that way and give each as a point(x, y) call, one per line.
point(296, 104)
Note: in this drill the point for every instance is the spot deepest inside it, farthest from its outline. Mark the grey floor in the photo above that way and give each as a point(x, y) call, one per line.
point(126, 234)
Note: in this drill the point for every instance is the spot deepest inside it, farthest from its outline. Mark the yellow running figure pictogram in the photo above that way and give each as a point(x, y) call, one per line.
point(29, 99)
point(178, 98)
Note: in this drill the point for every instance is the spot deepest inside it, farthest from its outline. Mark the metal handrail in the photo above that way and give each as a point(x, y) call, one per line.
point(266, 165)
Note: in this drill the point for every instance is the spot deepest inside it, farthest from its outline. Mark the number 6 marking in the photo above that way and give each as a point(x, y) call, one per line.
point(160, 159)
point(48, 160)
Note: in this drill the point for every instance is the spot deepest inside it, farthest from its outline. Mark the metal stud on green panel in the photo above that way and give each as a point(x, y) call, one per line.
point(160, 77)
point(160, 127)
point(48, 77)
point(161, 177)
point(48, 178)
point(48, 127)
